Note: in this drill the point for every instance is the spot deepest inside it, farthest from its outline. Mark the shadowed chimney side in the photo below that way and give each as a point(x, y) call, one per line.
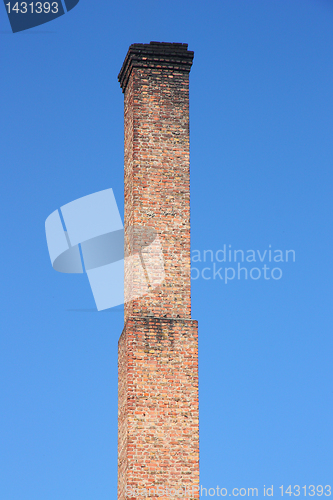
point(158, 414)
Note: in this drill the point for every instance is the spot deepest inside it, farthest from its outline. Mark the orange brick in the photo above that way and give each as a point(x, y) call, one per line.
point(158, 427)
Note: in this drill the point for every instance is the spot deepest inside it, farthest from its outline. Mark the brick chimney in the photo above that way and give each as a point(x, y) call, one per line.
point(158, 414)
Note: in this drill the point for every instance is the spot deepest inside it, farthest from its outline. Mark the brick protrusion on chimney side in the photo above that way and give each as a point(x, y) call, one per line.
point(158, 413)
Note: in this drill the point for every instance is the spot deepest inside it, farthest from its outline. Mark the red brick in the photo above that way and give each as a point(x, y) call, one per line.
point(158, 413)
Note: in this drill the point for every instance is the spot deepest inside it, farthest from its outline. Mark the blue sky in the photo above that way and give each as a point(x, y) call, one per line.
point(261, 120)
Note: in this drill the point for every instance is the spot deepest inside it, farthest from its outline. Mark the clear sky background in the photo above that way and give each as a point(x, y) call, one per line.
point(261, 119)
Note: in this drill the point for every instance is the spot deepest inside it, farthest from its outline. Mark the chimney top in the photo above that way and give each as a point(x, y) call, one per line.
point(155, 54)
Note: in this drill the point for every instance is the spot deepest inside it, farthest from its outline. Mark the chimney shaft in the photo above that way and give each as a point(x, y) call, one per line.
point(158, 426)
point(155, 81)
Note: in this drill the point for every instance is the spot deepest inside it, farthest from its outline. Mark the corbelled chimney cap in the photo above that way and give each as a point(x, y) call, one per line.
point(155, 54)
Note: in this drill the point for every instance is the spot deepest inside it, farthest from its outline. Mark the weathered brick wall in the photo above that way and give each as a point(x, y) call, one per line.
point(158, 429)
point(122, 416)
point(159, 419)
point(157, 169)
